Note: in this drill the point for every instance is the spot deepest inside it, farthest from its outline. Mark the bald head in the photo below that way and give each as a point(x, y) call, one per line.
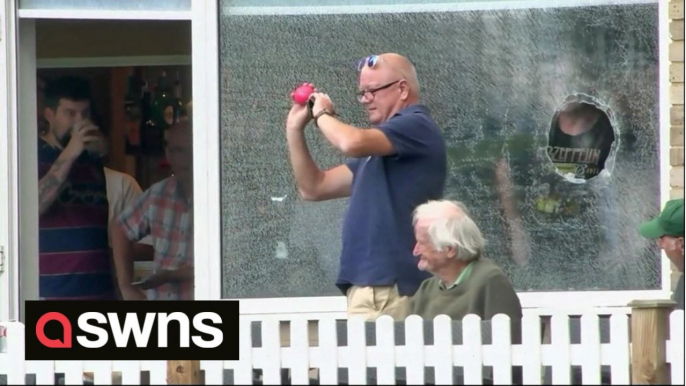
point(180, 131)
point(403, 67)
point(180, 149)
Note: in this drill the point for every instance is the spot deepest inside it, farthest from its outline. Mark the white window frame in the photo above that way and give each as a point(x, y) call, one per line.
point(23, 149)
point(207, 184)
point(207, 160)
point(9, 267)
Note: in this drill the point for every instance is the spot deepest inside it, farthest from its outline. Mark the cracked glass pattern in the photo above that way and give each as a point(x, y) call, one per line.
point(493, 80)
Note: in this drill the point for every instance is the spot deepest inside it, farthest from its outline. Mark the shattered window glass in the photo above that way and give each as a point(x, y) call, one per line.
point(560, 211)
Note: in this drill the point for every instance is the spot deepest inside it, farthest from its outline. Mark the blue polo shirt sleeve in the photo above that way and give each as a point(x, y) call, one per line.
point(352, 164)
point(410, 134)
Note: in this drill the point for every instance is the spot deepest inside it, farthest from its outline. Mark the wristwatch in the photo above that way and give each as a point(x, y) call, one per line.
point(319, 114)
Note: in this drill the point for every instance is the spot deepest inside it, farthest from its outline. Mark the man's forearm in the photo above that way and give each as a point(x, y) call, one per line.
point(307, 174)
point(50, 186)
point(341, 135)
point(123, 250)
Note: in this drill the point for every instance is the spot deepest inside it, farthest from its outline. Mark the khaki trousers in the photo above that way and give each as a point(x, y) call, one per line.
point(368, 302)
point(372, 302)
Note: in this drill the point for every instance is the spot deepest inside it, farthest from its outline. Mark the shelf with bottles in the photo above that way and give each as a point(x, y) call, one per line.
point(150, 110)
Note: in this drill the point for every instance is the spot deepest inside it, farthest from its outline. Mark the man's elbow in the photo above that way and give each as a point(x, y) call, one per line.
point(364, 145)
point(308, 195)
point(352, 148)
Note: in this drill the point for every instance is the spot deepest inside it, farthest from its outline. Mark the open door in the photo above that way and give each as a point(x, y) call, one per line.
point(102, 46)
point(9, 270)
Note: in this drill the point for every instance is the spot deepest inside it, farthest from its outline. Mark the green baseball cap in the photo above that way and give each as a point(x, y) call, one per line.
point(669, 223)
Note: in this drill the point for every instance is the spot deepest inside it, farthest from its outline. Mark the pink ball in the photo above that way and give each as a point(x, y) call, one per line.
point(302, 94)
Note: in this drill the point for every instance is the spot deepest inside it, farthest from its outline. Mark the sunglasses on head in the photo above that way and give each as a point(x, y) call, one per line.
point(370, 61)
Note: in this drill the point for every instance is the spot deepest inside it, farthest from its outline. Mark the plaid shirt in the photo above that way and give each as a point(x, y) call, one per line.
point(163, 212)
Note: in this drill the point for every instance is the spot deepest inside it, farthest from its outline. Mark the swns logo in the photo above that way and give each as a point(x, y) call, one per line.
point(146, 330)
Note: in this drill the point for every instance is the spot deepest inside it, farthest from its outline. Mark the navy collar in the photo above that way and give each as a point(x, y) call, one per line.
point(413, 109)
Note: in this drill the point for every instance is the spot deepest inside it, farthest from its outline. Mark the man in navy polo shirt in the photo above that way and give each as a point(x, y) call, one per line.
point(393, 167)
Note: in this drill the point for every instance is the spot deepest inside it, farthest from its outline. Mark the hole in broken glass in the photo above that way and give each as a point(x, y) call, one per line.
point(581, 139)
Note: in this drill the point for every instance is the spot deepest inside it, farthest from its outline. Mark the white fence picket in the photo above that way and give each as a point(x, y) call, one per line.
point(472, 350)
point(44, 371)
point(357, 351)
point(384, 356)
point(16, 353)
point(243, 368)
point(214, 372)
point(271, 352)
point(300, 352)
point(590, 349)
point(157, 370)
point(676, 346)
point(328, 349)
point(501, 350)
point(560, 350)
point(130, 371)
point(619, 341)
point(72, 370)
point(101, 371)
point(414, 343)
point(530, 352)
point(442, 353)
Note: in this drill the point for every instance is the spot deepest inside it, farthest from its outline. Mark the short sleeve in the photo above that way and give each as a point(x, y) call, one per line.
point(410, 134)
point(131, 191)
point(352, 164)
point(135, 219)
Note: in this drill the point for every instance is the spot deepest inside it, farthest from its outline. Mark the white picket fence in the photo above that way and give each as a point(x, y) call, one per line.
point(379, 362)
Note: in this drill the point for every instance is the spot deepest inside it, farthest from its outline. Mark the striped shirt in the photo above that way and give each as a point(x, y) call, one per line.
point(163, 213)
point(74, 261)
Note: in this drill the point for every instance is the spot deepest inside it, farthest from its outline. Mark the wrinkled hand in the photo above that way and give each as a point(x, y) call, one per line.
point(82, 133)
point(166, 276)
point(156, 280)
point(130, 292)
point(322, 102)
point(299, 116)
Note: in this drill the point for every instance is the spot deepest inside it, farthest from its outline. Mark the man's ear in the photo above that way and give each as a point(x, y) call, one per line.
point(49, 114)
point(451, 252)
point(404, 90)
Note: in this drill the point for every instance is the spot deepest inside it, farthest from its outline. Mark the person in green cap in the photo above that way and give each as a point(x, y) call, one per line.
point(668, 229)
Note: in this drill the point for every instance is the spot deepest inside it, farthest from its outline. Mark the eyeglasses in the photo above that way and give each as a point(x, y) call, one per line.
point(369, 94)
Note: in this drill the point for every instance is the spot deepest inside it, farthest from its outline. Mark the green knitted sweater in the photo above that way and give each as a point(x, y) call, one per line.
point(485, 292)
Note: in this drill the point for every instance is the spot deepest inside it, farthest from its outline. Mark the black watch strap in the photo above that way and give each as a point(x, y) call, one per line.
point(319, 114)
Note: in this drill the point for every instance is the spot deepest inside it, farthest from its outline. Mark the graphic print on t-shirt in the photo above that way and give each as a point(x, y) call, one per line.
point(579, 144)
point(583, 154)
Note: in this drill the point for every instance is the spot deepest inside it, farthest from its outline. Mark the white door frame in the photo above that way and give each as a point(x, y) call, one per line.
point(208, 267)
point(206, 154)
point(9, 256)
point(23, 153)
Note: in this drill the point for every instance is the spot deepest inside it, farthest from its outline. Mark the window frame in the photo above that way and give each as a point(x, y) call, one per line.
point(23, 162)
point(9, 256)
point(19, 63)
point(208, 267)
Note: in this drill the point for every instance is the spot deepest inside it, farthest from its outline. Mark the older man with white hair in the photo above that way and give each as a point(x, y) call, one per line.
point(450, 246)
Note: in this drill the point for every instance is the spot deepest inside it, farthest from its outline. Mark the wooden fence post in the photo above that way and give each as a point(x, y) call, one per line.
point(183, 373)
point(649, 326)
